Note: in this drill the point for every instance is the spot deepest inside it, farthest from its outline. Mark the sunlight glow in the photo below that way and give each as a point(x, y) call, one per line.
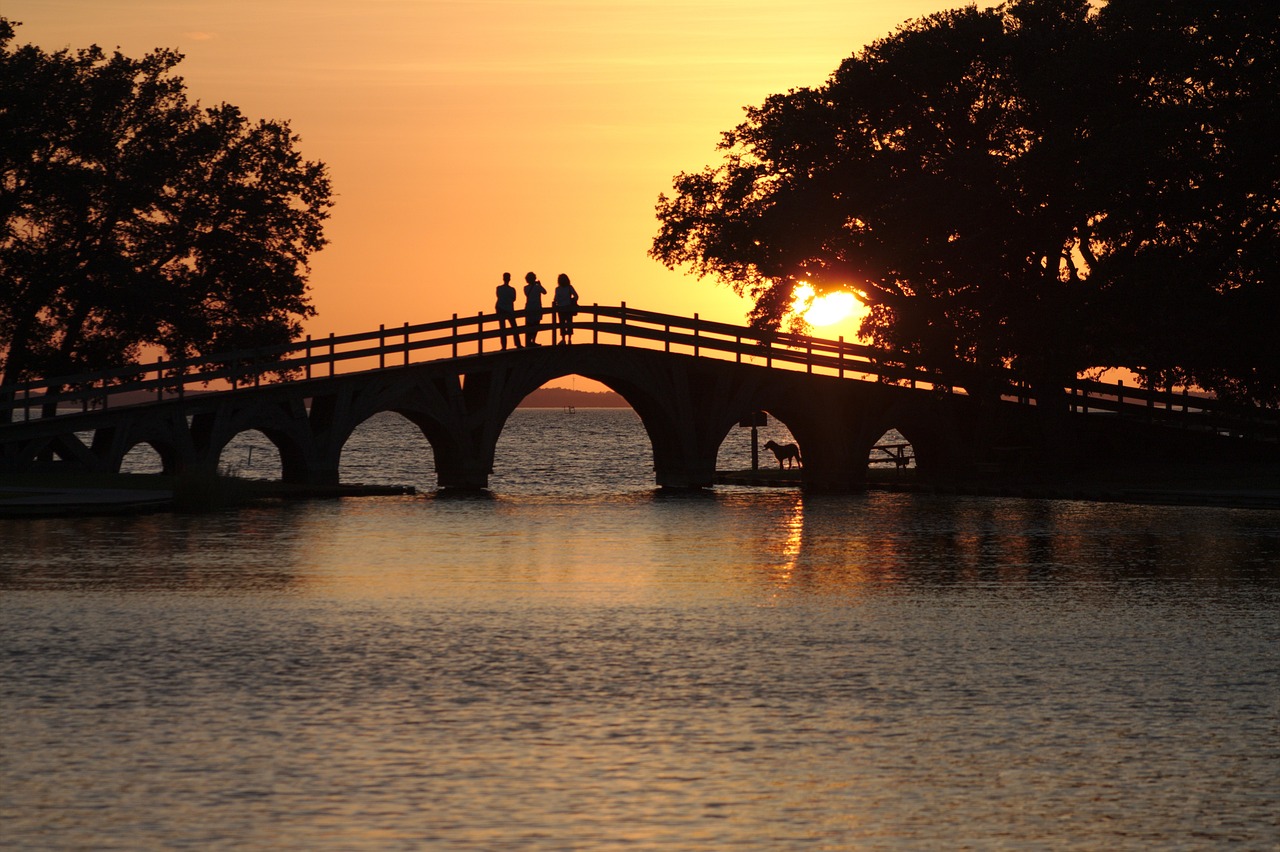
point(822, 310)
point(423, 99)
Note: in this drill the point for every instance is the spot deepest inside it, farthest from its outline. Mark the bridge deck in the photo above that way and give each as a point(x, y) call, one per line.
point(470, 336)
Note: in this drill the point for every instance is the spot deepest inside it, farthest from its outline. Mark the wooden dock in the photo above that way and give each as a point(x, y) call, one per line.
point(765, 477)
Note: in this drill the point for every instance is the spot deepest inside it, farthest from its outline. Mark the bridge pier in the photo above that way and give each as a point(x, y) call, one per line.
point(462, 474)
point(685, 477)
point(833, 464)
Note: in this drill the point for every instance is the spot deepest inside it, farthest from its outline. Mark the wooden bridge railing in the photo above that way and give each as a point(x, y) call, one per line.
point(468, 336)
point(453, 338)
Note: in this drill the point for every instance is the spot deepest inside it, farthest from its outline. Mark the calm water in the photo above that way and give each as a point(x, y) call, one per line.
point(578, 662)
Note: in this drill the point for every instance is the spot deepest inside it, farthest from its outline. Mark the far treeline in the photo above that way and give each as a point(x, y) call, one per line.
point(1055, 186)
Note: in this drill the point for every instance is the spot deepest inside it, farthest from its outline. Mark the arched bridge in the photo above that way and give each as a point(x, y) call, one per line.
point(689, 380)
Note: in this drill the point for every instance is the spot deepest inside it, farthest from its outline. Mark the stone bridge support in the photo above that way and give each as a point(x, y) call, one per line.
point(434, 400)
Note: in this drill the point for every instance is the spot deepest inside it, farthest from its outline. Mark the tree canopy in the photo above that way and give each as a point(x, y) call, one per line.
point(1048, 185)
point(131, 217)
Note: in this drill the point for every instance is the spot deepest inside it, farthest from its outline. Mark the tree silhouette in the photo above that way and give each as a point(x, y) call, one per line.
point(132, 217)
point(1043, 185)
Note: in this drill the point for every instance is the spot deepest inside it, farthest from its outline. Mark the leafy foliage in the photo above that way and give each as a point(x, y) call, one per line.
point(132, 217)
point(1045, 185)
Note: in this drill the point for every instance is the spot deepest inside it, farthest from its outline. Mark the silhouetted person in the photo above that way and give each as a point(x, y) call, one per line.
point(533, 293)
point(565, 302)
point(506, 308)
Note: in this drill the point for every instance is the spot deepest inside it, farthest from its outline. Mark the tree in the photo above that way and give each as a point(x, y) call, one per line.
point(131, 217)
point(1209, 269)
point(1044, 185)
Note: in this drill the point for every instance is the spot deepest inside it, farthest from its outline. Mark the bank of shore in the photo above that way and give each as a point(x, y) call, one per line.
point(57, 494)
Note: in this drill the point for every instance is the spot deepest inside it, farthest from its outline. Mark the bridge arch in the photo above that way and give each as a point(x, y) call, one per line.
point(292, 458)
point(407, 470)
point(825, 426)
point(515, 385)
point(899, 450)
point(279, 421)
point(138, 457)
point(941, 429)
point(166, 433)
point(776, 428)
point(429, 399)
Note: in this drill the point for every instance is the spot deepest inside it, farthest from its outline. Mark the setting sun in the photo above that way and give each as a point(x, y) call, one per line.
point(823, 310)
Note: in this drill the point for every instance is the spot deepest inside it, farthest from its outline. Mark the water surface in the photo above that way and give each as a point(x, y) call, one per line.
point(580, 662)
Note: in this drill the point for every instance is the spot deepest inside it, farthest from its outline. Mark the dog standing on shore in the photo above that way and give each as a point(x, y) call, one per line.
point(789, 453)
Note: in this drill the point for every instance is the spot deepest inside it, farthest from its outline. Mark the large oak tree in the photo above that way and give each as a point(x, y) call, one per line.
point(131, 217)
point(1048, 185)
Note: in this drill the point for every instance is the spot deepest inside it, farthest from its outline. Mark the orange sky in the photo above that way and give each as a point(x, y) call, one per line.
point(470, 137)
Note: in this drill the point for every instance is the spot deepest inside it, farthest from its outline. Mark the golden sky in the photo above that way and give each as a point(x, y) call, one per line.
point(466, 138)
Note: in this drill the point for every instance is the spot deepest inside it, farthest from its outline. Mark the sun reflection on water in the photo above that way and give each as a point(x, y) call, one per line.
point(790, 545)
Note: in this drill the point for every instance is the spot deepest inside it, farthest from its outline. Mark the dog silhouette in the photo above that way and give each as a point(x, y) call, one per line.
point(789, 453)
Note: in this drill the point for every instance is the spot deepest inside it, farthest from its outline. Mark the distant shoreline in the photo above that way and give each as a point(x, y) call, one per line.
point(540, 398)
point(566, 398)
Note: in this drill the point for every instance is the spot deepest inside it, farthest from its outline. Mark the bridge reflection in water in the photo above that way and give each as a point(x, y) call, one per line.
point(689, 380)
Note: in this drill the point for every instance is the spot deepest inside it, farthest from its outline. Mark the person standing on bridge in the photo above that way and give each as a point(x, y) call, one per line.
point(506, 308)
point(533, 293)
point(565, 302)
